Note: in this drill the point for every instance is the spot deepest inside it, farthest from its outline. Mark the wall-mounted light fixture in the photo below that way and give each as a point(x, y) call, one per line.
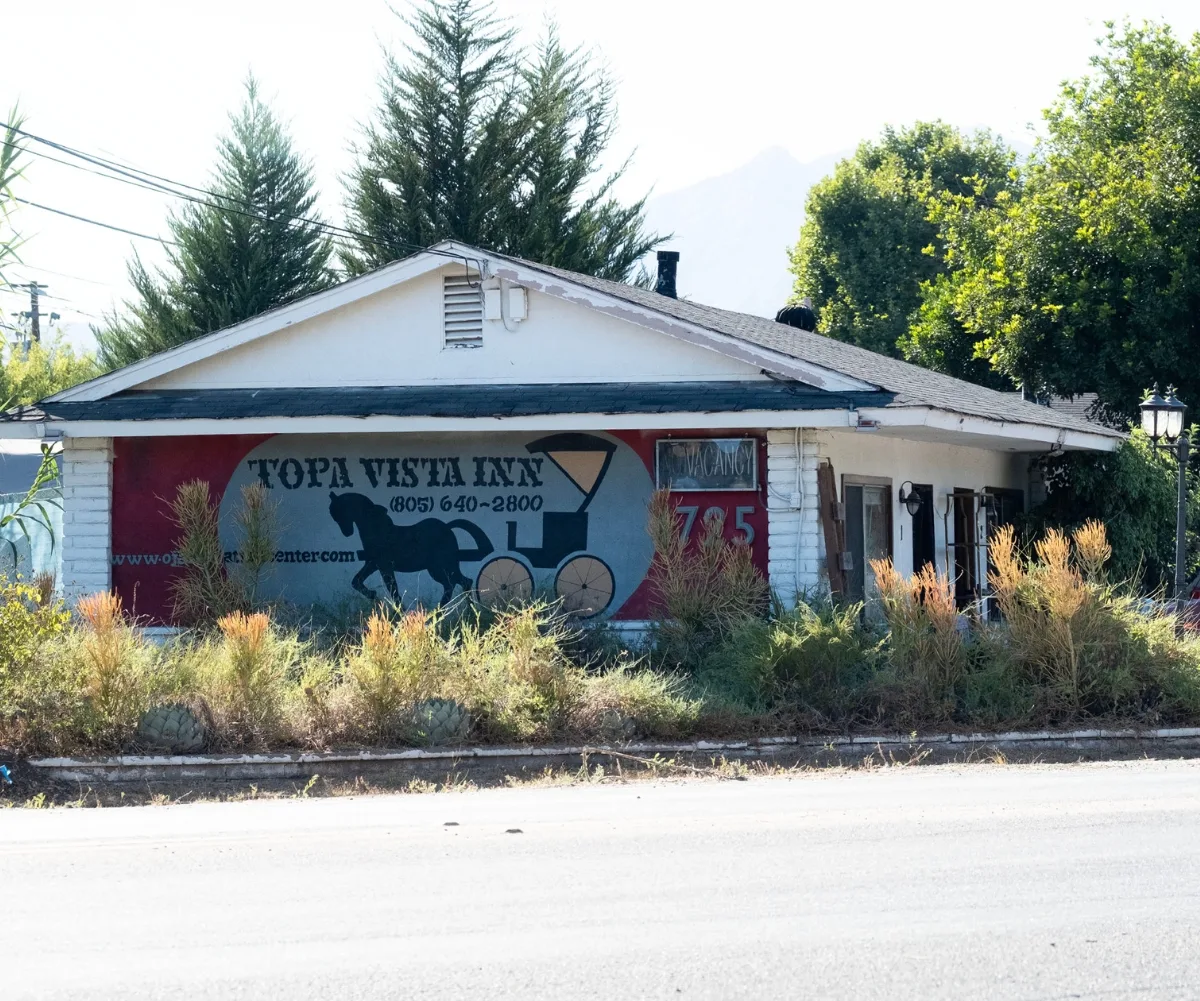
point(911, 500)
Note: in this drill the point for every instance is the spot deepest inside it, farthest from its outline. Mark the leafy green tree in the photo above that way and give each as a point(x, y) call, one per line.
point(1091, 280)
point(1133, 491)
point(254, 245)
point(27, 376)
point(871, 241)
point(479, 141)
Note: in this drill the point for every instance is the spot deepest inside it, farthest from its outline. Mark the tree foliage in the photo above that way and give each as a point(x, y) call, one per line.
point(254, 245)
point(41, 370)
point(480, 141)
point(1133, 491)
point(1091, 280)
point(871, 236)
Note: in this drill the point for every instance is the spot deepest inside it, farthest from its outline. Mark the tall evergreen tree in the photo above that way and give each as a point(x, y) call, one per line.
point(255, 244)
point(479, 141)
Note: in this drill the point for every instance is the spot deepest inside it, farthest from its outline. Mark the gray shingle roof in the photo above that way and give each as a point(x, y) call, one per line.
point(1085, 406)
point(912, 385)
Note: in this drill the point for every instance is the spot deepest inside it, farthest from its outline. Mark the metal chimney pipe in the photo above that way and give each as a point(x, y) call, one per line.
point(668, 262)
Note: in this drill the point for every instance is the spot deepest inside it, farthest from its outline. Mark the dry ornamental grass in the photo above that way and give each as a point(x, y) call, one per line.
point(1070, 646)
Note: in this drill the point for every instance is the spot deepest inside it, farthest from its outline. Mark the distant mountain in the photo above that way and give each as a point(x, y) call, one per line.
point(733, 231)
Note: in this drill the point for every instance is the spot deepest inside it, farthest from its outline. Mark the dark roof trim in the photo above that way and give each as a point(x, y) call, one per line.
point(454, 401)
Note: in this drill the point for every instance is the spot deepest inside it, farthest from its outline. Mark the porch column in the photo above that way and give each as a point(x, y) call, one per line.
point(793, 532)
point(86, 471)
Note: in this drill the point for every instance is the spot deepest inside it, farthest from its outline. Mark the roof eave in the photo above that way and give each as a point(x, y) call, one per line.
point(969, 429)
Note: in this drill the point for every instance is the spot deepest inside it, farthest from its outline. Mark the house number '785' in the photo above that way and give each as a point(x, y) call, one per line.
point(740, 514)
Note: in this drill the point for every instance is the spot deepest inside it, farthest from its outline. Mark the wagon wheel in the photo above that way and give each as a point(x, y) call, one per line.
point(503, 582)
point(584, 586)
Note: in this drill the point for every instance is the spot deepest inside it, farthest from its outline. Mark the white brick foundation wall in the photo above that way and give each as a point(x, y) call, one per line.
point(793, 543)
point(86, 467)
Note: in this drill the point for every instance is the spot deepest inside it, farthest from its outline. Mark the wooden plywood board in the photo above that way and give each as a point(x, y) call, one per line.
point(833, 525)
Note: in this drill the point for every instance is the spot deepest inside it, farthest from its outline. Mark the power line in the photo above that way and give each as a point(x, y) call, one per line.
point(62, 274)
point(165, 185)
point(95, 222)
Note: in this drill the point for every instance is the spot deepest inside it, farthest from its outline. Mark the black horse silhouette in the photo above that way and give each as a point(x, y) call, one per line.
point(390, 548)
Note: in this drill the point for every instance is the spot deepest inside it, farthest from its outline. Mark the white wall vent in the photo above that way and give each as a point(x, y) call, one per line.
point(462, 311)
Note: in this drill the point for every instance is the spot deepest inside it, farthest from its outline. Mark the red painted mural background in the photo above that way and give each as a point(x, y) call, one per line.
point(146, 474)
point(148, 471)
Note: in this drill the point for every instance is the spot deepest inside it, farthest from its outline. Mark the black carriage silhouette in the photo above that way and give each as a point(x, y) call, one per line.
point(583, 582)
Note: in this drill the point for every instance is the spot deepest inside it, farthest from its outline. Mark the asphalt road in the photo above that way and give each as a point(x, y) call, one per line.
point(925, 883)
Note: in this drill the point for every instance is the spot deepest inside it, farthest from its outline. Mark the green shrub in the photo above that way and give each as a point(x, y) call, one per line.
point(121, 675)
point(1088, 649)
point(29, 617)
point(395, 665)
point(812, 658)
point(992, 691)
point(1132, 491)
point(244, 679)
point(207, 588)
point(702, 589)
point(85, 687)
point(925, 647)
point(628, 701)
point(514, 675)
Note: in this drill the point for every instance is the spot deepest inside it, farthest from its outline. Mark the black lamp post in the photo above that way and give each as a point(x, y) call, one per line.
point(1162, 420)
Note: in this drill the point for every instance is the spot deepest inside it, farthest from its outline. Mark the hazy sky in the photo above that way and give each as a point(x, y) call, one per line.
point(702, 89)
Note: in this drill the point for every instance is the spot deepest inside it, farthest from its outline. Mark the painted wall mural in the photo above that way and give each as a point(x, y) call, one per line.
point(416, 518)
point(424, 519)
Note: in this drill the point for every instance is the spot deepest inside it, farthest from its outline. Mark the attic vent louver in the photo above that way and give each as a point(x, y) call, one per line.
point(462, 311)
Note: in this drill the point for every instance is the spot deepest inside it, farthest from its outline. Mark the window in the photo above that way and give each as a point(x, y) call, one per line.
point(868, 531)
point(462, 311)
point(706, 464)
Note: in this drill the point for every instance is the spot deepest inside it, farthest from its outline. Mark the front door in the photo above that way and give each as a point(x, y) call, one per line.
point(966, 548)
point(922, 528)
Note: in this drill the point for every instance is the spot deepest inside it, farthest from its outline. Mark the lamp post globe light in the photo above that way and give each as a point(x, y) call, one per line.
point(1162, 420)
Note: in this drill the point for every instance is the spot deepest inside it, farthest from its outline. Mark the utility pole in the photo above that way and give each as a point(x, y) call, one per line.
point(35, 289)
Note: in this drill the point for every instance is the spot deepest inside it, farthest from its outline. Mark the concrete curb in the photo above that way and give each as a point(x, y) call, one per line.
point(216, 767)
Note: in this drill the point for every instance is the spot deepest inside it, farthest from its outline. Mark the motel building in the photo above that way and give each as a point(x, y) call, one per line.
point(464, 422)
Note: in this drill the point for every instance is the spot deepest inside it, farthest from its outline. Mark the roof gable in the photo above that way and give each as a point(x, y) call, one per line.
point(396, 338)
point(310, 342)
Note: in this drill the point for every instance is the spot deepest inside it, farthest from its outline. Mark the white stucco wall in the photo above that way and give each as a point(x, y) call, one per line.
point(944, 466)
point(86, 468)
point(395, 338)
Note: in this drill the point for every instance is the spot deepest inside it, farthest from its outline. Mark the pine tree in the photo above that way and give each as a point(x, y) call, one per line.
point(478, 141)
point(255, 245)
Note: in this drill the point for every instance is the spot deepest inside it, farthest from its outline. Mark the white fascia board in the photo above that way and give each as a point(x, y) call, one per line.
point(252, 329)
point(1030, 436)
point(945, 420)
point(426, 425)
point(29, 429)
